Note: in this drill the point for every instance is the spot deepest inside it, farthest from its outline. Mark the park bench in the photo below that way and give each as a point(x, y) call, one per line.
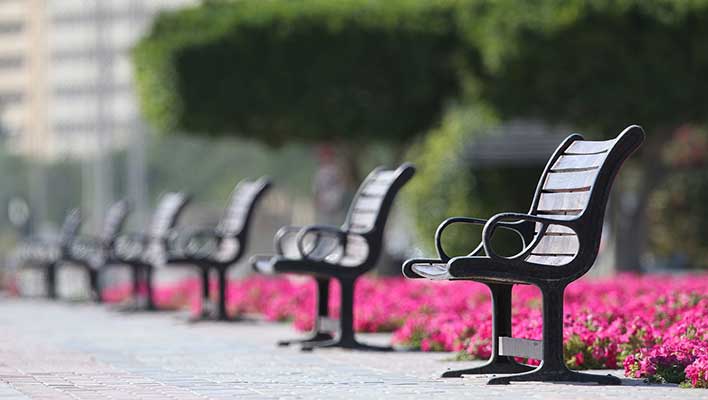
point(342, 253)
point(561, 238)
point(47, 253)
point(142, 252)
point(95, 253)
point(221, 247)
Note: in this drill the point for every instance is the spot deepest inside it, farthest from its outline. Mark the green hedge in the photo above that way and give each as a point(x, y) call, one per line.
point(284, 69)
point(281, 70)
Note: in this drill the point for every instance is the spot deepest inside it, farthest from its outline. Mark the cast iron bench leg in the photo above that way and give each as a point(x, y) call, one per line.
point(150, 300)
point(135, 271)
point(346, 337)
point(206, 311)
point(553, 368)
point(221, 314)
point(501, 326)
point(322, 293)
point(95, 285)
point(51, 280)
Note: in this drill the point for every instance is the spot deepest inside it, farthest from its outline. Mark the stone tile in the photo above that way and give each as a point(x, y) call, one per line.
point(55, 350)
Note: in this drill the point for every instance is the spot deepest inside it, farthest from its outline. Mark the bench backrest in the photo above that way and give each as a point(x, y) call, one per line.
point(70, 227)
point(168, 210)
point(233, 226)
point(116, 216)
point(369, 211)
point(576, 183)
point(241, 204)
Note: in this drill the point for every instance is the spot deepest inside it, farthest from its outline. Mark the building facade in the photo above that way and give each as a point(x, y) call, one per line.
point(66, 84)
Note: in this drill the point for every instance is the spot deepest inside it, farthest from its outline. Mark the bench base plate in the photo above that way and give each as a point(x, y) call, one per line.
point(542, 374)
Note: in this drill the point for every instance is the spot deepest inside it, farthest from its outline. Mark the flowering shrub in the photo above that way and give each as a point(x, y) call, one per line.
point(655, 326)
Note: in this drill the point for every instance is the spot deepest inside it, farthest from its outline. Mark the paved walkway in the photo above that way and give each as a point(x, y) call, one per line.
point(54, 350)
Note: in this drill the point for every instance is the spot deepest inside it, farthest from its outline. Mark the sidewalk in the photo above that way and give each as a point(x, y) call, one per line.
point(55, 350)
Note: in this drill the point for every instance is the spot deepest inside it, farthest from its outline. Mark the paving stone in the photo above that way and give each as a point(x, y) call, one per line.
point(56, 350)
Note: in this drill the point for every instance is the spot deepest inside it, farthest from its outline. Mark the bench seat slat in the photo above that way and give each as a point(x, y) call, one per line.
point(567, 181)
point(589, 146)
point(555, 230)
point(375, 190)
point(578, 162)
point(559, 202)
point(549, 259)
point(565, 245)
point(368, 203)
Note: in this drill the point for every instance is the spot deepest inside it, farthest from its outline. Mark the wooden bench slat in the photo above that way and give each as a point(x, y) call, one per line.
point(589, 146)
point(559, 202)
point(559, 245)
point(373, 189)
point(385, 176)
point(549, 260)
point(368, 203)
point(363, 219)
point(578, 162)
point(555, 230)
point(566, 181)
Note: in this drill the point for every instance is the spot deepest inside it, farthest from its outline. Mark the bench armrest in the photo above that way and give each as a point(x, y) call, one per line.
point(130, 245)
point(498, 220)
point(202, 243)
point(281, 235)
point(84, 244)
point(316, 252)
point(522, 227)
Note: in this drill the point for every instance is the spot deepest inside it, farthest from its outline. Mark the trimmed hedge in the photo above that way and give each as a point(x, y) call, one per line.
point(280, 70)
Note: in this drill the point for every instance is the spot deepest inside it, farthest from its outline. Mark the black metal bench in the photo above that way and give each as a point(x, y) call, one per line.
point(47, 254)
point(221, 247)
point(144, 251)
point(342, 253)
point(95, 253)
point(561, 237)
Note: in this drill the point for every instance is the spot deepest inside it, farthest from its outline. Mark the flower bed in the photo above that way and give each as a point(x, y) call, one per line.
point(655, 326)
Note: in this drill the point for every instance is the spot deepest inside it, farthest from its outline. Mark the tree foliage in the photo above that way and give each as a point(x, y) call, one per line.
point(283, 70)
point(596, 64)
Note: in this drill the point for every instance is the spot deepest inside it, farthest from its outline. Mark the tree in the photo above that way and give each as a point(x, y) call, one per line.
point(599, 65)
point(347, 72)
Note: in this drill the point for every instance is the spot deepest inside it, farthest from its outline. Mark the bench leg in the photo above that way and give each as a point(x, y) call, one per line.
point(317, 335)
point(51, 280)
point(135, 275)
point(346, 338)
point(150, 305)
point(221, 314)
point(501, 326)
point(205, 311)
point(95, 285)
point(553, 368)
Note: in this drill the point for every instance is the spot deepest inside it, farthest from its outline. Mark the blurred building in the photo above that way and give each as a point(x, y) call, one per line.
point(66, 88)
point(65, 73)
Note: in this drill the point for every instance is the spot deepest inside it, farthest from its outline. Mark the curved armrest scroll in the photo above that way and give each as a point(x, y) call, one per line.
point(281, 235)
point(523, 228)
point(319, 231)
point(497, 221)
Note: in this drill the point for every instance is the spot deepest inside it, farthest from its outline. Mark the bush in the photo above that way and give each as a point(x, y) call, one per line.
point(283, 70)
